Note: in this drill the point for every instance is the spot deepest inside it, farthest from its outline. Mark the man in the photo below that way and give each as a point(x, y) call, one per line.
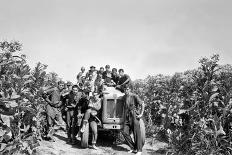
point(124, 80)
point(108, 81)
point(98, 84)
point(92, 72)
point(64, 95)
point(89, 85)
point(134, 109)
point(115, 76)
point(101, 71)
point(53, 98)
point(73, 99)
point(106, 72)
point(81, 75)
point(93, 108)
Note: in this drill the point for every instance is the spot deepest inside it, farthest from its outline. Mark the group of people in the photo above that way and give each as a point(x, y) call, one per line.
point(95, 80)
point(83, 100)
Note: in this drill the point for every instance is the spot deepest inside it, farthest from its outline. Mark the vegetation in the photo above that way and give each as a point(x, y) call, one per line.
point(191, 110)
point(22, 107)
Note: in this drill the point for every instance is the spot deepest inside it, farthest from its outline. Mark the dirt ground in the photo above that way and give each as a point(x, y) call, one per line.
point(104, 143)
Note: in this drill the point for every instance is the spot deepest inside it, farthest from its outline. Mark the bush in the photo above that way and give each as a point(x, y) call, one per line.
point(192, 109)
point(21, 105)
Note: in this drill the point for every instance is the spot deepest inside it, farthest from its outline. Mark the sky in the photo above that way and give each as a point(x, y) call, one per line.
point(144, 37)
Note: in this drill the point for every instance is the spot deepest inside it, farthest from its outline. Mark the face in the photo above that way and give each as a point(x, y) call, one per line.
point(90, 77)
point(92, 69)
point(101, 69)
point(69, 87)
point(75, 90)
point(61, 86)
point(127, 91)
point(83, 69)
point(121, 73)
point(107, 68)
point(114, 71)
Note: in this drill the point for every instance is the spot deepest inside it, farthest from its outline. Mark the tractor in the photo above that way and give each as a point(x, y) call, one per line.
point(111, 115)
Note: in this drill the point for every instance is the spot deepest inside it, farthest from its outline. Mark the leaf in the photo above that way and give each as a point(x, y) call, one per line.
point(213, 96)
point(3, 146)
point(16, 76)
point(181, 111)
point(3, 63)
point(26, 76)
point(2, 132)
point(28, 81)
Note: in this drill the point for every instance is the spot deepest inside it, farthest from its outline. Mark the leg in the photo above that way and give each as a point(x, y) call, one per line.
point(127, 137)
point(69, 125)
point(86, 119)
point(93, 126)
point(137, 136)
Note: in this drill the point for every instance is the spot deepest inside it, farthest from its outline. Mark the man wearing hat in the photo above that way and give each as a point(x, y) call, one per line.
point(92, 71)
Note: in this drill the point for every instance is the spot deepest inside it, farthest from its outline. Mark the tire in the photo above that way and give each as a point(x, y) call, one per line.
point(85, 137)
point(142, 129)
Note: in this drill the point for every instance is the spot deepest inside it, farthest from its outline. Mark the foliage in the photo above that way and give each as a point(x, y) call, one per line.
point(190, 110)
point(21, 104)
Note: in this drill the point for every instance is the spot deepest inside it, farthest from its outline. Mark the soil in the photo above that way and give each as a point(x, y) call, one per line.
point(104, 143)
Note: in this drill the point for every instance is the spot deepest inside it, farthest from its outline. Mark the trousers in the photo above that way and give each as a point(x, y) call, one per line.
point(133, 127)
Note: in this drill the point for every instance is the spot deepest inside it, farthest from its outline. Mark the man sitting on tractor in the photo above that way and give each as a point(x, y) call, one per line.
point(124, 80)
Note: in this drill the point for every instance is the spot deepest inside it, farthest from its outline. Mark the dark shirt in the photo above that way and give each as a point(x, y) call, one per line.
point(115, 77)
point(73, 99)
point(132, 104)
point(105, 73)
point(123, 78)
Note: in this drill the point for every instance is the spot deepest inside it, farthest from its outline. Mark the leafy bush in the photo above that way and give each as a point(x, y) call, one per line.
point(190, 110)
point(23, 120)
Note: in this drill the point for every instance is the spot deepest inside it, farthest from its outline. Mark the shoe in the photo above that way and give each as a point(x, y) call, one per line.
point(69, 141)
point(74, 142)
point(51, 139)
point(95, 147)
point(132, 151)
point(139, 153)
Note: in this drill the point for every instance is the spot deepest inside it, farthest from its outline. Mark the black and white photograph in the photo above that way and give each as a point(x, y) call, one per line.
point(115, 77)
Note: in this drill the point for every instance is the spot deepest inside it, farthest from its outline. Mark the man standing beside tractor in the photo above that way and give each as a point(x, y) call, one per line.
point(72, 103)
point(134, 108)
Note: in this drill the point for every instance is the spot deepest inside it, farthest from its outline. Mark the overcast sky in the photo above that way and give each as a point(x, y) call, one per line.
point(145, 37)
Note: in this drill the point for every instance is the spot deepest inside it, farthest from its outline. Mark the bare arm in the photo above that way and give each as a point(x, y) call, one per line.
point(128, 79)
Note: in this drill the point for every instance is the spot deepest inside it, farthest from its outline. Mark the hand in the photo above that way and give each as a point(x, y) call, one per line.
point(139, 116)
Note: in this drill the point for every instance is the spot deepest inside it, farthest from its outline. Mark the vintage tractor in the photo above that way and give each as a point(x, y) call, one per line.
point(111, 114)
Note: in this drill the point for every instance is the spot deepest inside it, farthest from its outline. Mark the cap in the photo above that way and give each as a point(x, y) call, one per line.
point(107, 66)
point(93, 67)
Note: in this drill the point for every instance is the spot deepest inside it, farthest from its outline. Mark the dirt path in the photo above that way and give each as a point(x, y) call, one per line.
point(60, 147)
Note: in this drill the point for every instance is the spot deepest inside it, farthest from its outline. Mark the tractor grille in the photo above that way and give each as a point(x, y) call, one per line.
point(114, 110)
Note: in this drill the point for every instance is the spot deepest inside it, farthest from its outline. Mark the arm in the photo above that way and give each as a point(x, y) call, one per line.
point(127, 80)
point(141, 103)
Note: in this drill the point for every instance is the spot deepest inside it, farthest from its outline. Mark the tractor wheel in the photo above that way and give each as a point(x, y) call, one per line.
point(85, 137)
